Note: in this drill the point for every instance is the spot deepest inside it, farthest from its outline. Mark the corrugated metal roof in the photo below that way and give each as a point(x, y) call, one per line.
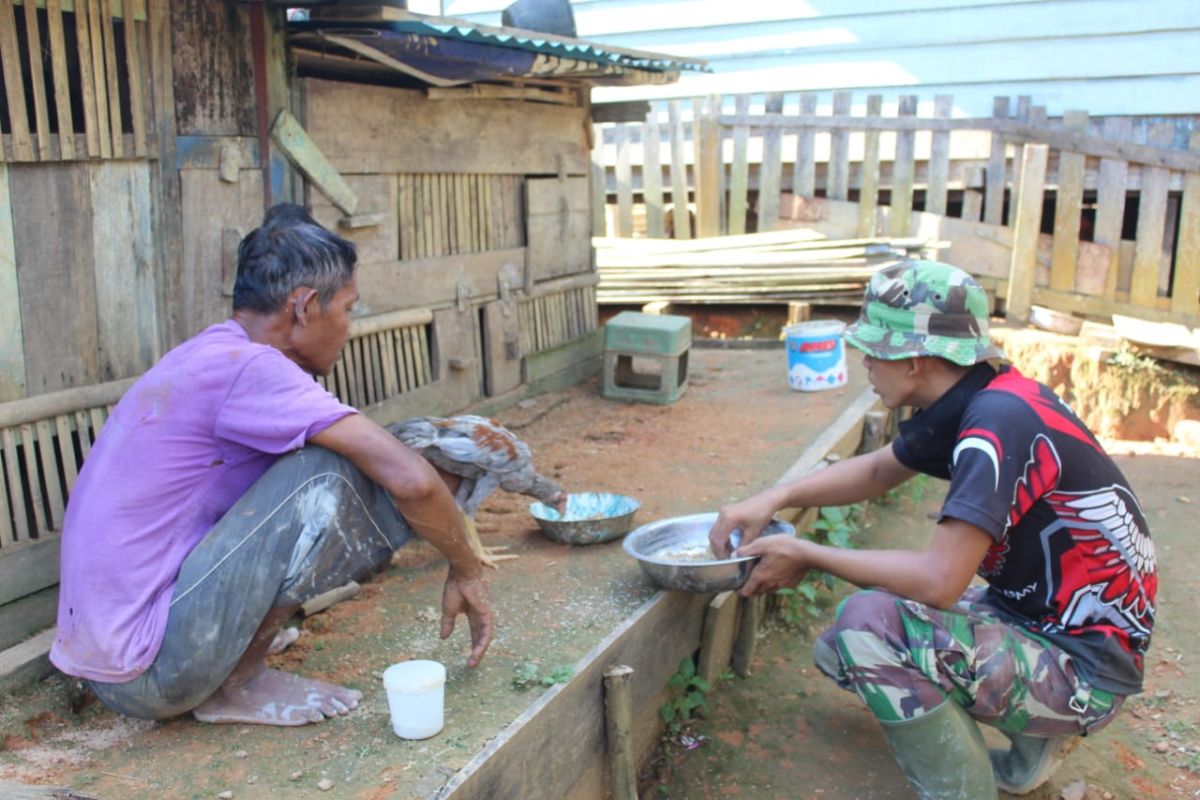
point(423, 44)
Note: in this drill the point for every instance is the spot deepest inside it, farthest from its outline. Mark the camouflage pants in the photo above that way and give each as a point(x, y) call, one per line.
point(905, 659)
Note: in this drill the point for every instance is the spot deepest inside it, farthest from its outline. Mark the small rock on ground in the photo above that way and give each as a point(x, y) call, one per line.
point(1074, 791)
point(324, 784)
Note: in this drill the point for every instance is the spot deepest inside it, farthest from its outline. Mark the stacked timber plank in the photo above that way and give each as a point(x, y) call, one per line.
point(776, 266)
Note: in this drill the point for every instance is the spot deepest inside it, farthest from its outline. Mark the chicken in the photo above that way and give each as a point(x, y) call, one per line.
point(475, 456)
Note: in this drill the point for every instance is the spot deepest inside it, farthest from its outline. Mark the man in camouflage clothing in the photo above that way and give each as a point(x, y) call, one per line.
point(1049, 649)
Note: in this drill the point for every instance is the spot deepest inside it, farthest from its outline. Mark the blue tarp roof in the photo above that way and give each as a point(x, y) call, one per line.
point(448, 51)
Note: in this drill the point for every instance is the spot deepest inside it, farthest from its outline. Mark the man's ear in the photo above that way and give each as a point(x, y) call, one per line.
point(304, 300)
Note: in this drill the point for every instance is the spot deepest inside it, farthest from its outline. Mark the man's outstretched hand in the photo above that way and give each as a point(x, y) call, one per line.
point(469, 596)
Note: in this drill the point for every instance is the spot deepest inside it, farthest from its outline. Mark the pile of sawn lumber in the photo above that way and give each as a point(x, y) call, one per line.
point(776, 266)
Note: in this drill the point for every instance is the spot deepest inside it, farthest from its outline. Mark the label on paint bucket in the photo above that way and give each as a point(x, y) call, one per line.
point(816, 355)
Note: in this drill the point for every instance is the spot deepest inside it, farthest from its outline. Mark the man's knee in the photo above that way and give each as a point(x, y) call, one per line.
point(869, 610)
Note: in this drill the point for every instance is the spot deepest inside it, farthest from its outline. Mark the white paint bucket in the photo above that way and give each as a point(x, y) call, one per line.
point(816, 355)
point(416, 693)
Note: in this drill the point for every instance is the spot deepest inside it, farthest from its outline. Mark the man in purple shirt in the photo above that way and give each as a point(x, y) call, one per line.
point(228, 487)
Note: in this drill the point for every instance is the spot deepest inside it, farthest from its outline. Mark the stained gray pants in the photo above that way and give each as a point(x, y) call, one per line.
point(311, 523)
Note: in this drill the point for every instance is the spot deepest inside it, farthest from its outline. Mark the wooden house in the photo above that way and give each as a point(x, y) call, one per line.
point(142, 139)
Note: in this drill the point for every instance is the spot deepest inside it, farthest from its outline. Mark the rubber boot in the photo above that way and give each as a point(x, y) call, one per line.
point(1030, 761)
point(943, 754)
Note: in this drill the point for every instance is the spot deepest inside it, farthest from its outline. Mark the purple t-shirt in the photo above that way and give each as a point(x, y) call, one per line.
point(183, 445)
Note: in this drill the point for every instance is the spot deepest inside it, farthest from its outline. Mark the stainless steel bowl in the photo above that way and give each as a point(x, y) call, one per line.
point(589, 518)
point(664, 550)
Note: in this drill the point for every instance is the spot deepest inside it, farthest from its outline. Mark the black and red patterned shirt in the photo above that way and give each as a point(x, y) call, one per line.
point(1072, 558)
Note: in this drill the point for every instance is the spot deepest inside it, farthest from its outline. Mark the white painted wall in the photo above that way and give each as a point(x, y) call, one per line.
point(1127, 57)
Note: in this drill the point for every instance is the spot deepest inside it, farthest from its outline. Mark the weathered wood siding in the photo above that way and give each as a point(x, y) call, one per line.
point(1108, 56)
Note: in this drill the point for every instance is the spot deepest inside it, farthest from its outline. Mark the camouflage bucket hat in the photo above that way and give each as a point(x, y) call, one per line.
point(924, 308)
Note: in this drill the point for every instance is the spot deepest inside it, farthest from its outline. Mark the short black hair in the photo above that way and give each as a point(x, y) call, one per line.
point(290, 250)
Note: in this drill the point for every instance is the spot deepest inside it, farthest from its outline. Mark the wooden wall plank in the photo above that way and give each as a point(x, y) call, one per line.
point(212, 58)
point(61, 348)
point(624, 177)
point(209, 207)
point(87, 81)
point(681, 221)
point(377, 194)
point(652, 194)
point(55, 494)
point(804, 172)
point(1026, 233)
point(38, 81)
point(868, 199)
point(1185, 290)
point(99, 82)
point(110, 78)
point(12, 350)
point(837, 181)
point(14, 85)
point(1151, 223)
point(993, 197)
point(62, 85)
point(31, 474)
point(126, 284)
point(559, 241)
point(10, 439)
point(430, 282)
point(134, 61)
point(1110, 201)
point(481, 136)
point(1067, 208)
point(903, 171)
point(770, 171)
point(939, 158)
point(27, 616)
point(304, 153)
point(739, 170)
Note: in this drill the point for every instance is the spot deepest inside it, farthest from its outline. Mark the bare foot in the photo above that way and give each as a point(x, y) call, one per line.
point(283, 640)
point(278, 698)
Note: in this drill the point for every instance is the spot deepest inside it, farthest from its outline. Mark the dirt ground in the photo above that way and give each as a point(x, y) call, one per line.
point(736, 430)
point(784, 732)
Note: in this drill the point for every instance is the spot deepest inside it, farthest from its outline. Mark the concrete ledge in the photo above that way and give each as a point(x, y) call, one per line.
point(26, 662)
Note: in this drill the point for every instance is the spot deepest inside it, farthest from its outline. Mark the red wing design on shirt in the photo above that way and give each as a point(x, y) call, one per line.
point(1041, 475)
point(1115, 579)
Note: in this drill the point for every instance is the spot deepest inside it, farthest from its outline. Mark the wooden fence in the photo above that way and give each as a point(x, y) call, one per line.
point(1082, 217)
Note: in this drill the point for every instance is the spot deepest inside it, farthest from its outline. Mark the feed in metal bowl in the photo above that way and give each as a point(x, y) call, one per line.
point(589, 518)
point(674, 554)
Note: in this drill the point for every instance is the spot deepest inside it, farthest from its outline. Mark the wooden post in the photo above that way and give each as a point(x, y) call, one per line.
point(903, 170)
point(939, 158)
point(599, 190)
point(624, 174)
point(1067, 205)
point(740, 171)
point(747, 636)
point(993, 208)
point(708, 165)
point(837, 173)
point(1185, 292)
point(618, 718)
point(1024, 112)
point(12, 348)
point(681, 221)
point(652, 176)
point(716, 642)
point(1026, 232)
point(769, 177)
point(875, 425)
point(868, 196)
point(798, 311)
point(1151, 224)
point(1110, 203)
point(804, 181)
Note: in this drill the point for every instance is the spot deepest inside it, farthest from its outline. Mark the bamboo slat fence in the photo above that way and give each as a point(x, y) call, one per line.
point(1072, 214)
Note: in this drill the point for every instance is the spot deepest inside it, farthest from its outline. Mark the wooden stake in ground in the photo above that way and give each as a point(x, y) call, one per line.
point(618, 716)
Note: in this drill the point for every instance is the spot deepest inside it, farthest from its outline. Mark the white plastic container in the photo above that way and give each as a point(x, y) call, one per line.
point(416, 692)
point(816, 355)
